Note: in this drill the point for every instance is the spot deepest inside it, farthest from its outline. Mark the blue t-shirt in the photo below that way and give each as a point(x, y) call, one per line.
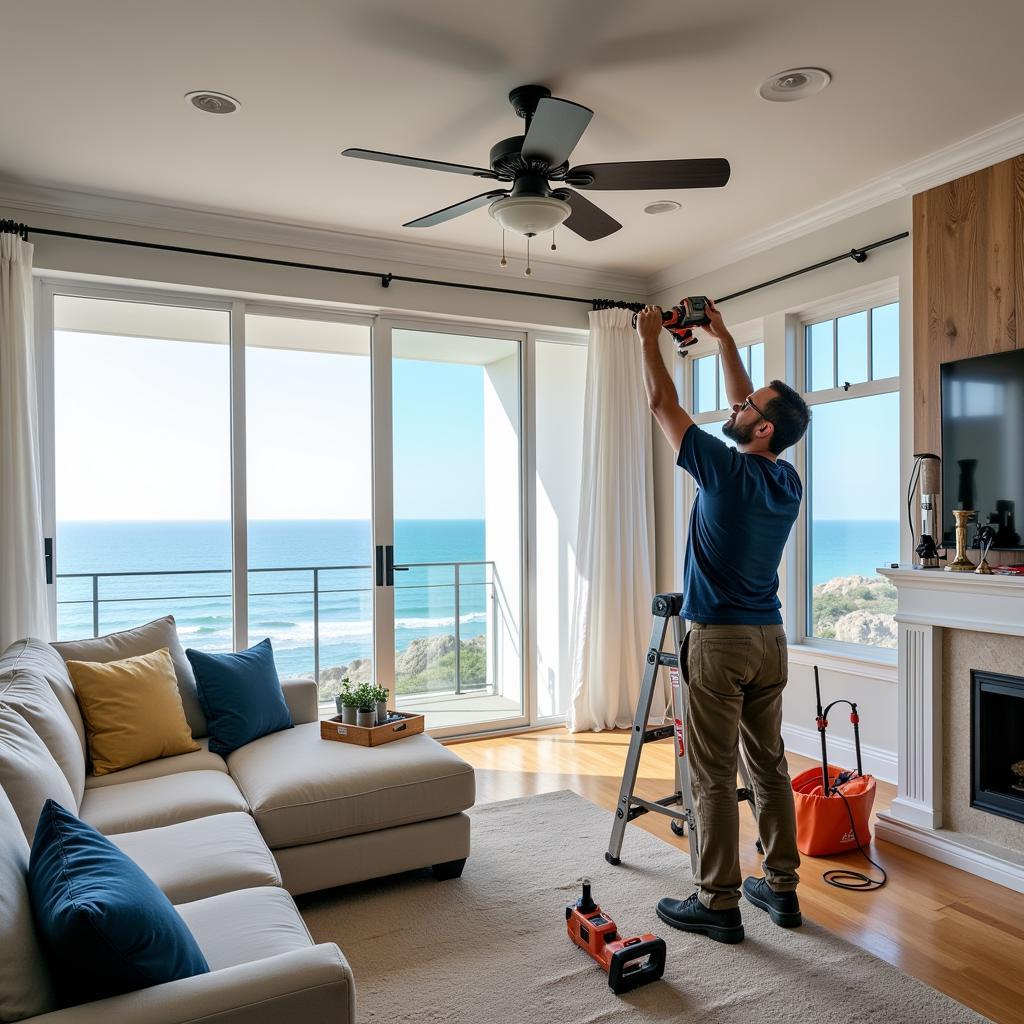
point(745, 507)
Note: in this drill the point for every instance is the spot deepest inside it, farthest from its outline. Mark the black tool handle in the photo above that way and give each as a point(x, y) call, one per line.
point(822, 726)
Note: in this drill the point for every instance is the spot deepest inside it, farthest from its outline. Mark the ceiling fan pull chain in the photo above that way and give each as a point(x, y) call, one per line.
point(529, 269)
point(503, 262)
point(553, 246)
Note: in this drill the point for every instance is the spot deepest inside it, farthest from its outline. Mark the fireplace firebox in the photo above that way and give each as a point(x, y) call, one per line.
point(997, 744)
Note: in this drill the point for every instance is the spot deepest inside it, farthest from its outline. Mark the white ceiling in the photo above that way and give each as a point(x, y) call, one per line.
point(91, 99)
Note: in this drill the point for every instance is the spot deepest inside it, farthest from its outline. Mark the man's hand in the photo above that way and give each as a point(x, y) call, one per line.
point(648, 323)
point(716, 327)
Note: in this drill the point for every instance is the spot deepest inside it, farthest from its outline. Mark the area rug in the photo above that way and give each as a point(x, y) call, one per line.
point(492, 946)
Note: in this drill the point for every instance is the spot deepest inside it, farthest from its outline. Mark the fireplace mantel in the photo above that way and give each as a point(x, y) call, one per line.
point(930, 600)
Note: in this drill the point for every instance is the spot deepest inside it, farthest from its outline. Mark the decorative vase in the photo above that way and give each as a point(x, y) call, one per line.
point(382, 712)
point(348, 714)
point(961, 563)
point(367, 719)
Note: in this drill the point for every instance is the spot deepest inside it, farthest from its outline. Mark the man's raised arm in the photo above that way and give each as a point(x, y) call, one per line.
point(661, 391)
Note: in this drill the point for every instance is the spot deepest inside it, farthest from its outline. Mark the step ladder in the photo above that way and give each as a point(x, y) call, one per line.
point(666, 609)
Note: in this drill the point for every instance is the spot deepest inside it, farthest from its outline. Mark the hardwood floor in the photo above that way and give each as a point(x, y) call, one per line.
point(954, 931)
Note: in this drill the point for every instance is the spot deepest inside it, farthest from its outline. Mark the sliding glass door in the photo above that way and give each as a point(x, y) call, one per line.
point(350, 489)
point(141, 482)
point(457, 498)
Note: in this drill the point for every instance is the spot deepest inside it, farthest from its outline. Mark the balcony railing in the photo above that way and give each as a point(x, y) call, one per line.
point(499, 619)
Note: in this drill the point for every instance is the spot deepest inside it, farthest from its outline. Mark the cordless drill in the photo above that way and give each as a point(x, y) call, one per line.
point(679, 320)
point(628, 962)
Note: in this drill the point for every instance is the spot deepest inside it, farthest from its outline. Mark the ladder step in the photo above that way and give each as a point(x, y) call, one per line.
point(661, 732)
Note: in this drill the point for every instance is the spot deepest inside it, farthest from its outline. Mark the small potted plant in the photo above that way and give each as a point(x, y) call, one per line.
point(366, 700)
point(346, 702)
point(382, 704)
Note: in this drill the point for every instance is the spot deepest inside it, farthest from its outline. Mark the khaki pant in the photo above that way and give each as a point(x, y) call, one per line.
point(735, 676)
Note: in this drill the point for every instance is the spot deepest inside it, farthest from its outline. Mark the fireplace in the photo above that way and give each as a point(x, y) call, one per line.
point(997, 742)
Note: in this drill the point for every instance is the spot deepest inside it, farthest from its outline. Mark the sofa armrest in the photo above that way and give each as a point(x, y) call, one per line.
point(303, 699)
point(313, 984)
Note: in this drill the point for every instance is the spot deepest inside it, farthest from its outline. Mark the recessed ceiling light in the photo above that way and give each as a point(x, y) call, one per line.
point(662, 206)
point(794, 84)
point(212, 102)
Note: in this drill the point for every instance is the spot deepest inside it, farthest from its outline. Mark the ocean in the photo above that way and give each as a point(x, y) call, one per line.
point(281, 602)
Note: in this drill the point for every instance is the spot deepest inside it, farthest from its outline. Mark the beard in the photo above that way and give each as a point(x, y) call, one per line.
point(741, 435)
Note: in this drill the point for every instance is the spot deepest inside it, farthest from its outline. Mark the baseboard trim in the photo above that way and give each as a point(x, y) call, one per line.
point(881, 763)
point(952, 849)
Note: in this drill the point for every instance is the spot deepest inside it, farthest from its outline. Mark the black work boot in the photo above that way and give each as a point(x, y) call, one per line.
point(690, 915)
point(784, 907)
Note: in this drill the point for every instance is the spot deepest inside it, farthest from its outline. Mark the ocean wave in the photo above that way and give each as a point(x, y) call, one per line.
point(334, 632)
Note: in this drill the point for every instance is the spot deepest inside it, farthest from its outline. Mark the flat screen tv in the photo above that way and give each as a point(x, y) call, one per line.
point(983, 445)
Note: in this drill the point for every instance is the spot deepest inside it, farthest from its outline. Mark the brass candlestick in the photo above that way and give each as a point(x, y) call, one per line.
point(961, 563)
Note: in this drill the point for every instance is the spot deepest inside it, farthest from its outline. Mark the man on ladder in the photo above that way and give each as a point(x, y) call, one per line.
point(734, 659)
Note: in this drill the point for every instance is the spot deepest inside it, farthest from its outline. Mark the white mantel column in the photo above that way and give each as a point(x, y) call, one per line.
point(919, 702)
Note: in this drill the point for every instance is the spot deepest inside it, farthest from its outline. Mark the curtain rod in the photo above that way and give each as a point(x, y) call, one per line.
point(858, 255)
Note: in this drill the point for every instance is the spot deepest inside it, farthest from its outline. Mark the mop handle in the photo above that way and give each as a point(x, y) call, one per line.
point(822, 726)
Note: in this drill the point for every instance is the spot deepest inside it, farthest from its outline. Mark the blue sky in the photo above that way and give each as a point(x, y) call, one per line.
point(142, 433)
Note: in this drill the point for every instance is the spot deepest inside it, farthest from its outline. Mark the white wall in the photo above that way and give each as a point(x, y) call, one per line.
point(763, 314)
point(502, 504)
point(561, 373)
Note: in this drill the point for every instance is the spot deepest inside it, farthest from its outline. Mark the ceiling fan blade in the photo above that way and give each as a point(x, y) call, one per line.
point(587, 220)
point(456, 210)
point(652, 174)
point(415, 161)
point(555, 129)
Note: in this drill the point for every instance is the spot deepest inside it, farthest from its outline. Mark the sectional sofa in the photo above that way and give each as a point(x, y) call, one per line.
point(229, 841)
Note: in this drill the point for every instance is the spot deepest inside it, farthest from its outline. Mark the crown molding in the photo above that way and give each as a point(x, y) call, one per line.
point(388, 253)
point(974, 153)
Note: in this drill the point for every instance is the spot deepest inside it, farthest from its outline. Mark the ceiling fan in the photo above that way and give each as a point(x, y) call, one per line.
point(531, 161)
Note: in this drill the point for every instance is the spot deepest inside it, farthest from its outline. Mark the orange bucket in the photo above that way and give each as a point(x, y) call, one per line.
point(823, 823)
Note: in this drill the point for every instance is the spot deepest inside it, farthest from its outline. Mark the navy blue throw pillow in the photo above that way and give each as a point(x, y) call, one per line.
point(240, 695)
point(105, 926)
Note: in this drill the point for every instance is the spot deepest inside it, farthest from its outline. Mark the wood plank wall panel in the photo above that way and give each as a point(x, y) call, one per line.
point(968, 283)
point(968, 279)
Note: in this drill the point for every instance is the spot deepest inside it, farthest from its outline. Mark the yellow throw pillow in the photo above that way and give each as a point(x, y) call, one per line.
point(132, 710)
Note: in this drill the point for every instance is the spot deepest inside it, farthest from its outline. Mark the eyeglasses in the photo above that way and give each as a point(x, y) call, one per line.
point(749, 404)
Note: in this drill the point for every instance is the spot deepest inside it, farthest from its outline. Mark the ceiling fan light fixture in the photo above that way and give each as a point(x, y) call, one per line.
point(529, 215)
point(794, 84)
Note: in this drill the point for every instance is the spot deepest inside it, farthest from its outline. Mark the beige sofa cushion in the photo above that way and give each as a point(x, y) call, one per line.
point(25, 987)
point(36, 654)
point(303, 789)
point(152, 803)
point(239, 927)
point(130, 643)
point(28, 773)
point(201, 760)
point(203, 857)
point(27, 691)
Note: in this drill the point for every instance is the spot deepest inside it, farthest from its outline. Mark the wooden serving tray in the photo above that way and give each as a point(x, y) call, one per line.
point(398, 727)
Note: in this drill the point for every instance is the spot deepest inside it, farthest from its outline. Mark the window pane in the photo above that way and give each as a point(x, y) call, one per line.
point(885, 341)
point(143, 470)
point(705, 399)
point(723, 397)
point(308, 450)
point(853, 519)
point(757, 365)
point(852, 338)
point(820, 369)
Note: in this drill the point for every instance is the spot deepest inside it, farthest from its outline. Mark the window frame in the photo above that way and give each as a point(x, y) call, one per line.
point(864, 300)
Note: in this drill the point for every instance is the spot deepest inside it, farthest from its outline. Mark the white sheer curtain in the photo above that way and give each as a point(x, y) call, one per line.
point(24, 608)
point(611, 620)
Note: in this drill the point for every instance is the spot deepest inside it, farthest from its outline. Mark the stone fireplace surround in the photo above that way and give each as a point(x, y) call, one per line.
point(950, 623)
